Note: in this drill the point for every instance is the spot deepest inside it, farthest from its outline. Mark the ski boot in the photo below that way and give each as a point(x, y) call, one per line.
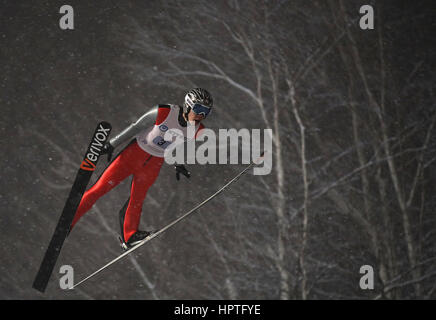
point(135, 239)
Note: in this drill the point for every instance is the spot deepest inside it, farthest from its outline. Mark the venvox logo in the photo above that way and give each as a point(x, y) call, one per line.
point(94, 149)
point(87, 165)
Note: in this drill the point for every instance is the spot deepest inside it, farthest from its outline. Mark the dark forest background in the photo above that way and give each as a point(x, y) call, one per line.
point(353, 119)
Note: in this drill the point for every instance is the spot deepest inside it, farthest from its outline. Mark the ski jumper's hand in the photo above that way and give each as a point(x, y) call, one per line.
point(180, 169)
point(108, 149)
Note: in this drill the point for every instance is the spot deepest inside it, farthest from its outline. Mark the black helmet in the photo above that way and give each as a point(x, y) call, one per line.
point(200, 96)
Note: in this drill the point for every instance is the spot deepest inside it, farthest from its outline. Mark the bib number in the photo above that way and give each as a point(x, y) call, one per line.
point(160, 142)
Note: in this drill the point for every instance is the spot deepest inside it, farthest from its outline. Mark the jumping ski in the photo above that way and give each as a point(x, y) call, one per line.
point(160, 231)
point(84, 174)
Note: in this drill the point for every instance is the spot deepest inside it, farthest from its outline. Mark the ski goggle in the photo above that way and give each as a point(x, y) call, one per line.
point(200, 109)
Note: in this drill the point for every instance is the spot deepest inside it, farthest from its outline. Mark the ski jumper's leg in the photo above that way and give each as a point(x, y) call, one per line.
point(143, 178)
point(120, 168)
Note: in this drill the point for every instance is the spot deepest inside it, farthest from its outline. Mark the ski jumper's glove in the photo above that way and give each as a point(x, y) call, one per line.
point(180, 169)
point(108, 149)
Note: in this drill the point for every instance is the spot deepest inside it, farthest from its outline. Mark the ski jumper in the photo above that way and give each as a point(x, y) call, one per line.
point(142, 158)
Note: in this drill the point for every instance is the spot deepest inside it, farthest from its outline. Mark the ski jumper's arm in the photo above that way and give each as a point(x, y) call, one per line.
point(200, 131)
point(145, 121)
point(180, 168)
